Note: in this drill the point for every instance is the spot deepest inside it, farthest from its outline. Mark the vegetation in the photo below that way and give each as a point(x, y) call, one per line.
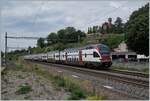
point(137, 31)
point(108, 27)
point(95, 97)
point(24, 89)
point(13, 55)
point(111, 41)
point(40, 42)
point(2, 54)
point(71, 85)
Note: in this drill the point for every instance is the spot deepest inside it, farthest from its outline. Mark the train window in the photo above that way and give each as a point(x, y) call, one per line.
point(95, 54)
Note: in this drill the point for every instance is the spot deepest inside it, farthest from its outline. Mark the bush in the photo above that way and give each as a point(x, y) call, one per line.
point(24, 90)
point(60, 81)
point(71, 86)
point(77, 94)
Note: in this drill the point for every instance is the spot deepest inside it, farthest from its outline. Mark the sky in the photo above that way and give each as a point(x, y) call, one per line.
point(37, 18)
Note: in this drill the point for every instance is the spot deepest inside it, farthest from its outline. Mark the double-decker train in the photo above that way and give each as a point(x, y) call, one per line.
point(94, 55)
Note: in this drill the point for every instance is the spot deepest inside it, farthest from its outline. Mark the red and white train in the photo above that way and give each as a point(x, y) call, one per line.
point(94, 55)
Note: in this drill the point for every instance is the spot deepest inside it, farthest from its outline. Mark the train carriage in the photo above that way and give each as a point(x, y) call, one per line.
point(94, 55)
point(72, 56)
point(51, 56)
point(62, 57)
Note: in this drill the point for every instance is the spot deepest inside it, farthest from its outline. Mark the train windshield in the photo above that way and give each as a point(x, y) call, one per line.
point(104, 50)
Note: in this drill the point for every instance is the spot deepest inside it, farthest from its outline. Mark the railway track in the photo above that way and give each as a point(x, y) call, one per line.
point(133, 73)
point(134, 85)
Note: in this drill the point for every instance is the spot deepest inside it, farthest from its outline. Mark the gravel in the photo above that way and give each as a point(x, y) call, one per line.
point(42, 89)
point(111, 89)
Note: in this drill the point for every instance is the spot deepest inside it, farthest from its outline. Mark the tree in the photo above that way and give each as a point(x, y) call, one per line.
point(61, 35)
point(137, 31)
point(69, 34)
point(99, 29)
point(110, 26)
point(40, 42)
point(118, 25)
point(52, 38)
point(29, 50)
point(91, 30)
point(105, 28)
point(88, 30)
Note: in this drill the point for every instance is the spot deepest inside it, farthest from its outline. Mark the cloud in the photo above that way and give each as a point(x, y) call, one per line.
point(115, 4)
point(38, 18)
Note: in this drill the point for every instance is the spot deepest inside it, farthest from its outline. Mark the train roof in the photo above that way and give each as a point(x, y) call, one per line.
point(71, 49)
point(90, 46)
point(93, 46)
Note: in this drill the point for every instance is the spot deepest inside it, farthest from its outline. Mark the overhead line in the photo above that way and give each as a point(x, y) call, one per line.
point(24, 37)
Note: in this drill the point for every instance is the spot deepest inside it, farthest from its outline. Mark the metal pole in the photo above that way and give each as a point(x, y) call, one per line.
point(6, 49)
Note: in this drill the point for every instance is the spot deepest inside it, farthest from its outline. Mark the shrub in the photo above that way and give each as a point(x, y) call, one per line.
point(77, 94)
point(24, 90)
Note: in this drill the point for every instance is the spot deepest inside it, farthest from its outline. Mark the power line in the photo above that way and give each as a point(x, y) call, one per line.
point(17, 37)
point(12, 37)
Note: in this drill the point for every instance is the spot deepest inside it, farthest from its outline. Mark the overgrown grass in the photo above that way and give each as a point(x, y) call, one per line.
point(24, 89)
point(69, 84)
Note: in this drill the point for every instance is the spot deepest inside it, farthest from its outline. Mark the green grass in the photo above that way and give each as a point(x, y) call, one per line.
point(19, 66)
point(24, 89)
point(67, 83)
point(95, 97)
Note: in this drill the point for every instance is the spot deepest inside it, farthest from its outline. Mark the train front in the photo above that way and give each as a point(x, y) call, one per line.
point(105, 57)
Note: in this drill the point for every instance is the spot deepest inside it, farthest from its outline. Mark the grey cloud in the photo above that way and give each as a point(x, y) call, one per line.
point(38, 18)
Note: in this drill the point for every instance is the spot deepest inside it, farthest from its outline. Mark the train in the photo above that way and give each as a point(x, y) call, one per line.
point(92, 56)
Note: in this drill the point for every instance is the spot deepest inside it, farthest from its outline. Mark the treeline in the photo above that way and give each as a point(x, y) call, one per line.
point(108, 27)
point(137, 31)
point(67, 35)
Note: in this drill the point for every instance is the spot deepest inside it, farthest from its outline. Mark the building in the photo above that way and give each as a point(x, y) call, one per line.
point(122, 47)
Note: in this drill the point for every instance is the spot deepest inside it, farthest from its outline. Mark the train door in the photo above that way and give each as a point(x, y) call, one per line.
point(80, 57)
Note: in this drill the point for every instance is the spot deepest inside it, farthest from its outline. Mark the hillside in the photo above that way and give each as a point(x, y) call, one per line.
point(112, 40)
